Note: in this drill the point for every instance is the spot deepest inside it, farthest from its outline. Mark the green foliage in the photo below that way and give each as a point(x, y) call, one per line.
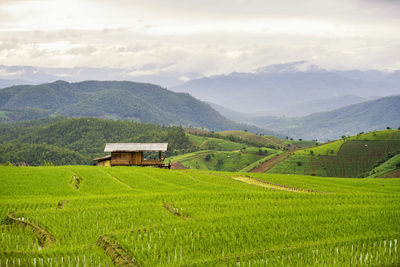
point(78, 141)
point(47, 163)
point(192, 218)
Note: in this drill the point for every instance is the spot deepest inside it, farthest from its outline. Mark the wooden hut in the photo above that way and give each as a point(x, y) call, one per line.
point(131, 154)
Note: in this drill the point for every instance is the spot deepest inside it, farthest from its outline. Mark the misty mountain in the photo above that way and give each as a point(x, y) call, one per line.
point(363, 117)
point(285, 86)
point(111, 100)
point(18, 75)
point(300, 110)
point(7, 83)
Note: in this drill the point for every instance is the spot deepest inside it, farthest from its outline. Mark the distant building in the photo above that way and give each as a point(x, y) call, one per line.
point(131, 154)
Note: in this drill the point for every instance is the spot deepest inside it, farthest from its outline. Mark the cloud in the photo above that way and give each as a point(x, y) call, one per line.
point(190, 38)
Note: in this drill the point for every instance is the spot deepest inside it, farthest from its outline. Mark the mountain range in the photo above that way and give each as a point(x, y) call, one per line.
point(349, 120)
point(112, 100)
point(292, 89)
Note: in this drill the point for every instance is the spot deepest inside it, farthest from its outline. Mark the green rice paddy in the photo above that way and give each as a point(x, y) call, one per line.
point(128, 216)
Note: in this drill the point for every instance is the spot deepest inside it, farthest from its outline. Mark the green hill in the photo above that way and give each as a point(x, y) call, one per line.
point(222, 153)
point(232, 150)
point(389, 168)
point(350, 120)
point(267, 140)
point(354, 156)
point(111, 100)
point(77, 141)
point(133, 216)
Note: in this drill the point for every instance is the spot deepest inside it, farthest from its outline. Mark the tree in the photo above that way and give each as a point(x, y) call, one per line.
point(388, 128)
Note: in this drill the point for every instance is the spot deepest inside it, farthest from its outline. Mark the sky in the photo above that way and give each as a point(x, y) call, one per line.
point(191, 39)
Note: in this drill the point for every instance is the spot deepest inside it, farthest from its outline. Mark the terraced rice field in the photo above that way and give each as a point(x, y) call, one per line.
point(351, 158)
point(131, 216)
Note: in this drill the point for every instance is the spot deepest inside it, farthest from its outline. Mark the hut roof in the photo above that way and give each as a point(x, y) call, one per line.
point(102, 158)
point(134, 147)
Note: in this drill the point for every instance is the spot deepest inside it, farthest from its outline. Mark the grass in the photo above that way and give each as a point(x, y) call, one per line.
point(221, 161)
point(331, 149)
point(263, 139)
point(350, 157)
point(386, 167)
point(157, 217)
point(258, 162)
point(221, 155)
point(210, 143)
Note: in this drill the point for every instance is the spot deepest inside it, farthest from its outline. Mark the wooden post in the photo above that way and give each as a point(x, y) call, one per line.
point(159, 155)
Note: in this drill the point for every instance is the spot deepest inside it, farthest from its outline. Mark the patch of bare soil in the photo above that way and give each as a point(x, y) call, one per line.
point(391, 174)
point(177, 165)
point(262, 183)
point(264, 167)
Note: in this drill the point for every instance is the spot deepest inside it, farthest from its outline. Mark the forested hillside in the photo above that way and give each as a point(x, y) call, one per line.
point(77, 141)
point(111, 100)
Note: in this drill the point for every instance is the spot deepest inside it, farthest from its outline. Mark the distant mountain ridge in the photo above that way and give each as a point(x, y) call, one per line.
point(283, 86)
point(350, 120)
point(111, 100)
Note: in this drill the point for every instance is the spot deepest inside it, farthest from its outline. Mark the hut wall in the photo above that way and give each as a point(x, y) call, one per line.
point(126, 158)
point(105, 163)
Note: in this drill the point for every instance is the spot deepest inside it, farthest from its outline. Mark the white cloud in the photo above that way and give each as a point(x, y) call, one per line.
point(199, 37)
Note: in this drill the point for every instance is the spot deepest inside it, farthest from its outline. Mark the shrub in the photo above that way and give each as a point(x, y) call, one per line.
point(8, 164)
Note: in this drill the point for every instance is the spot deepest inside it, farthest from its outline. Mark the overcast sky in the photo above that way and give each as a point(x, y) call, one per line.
point(195, 38)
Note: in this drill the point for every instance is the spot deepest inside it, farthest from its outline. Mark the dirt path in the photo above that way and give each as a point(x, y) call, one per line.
point(262, 183)
point(178, 165)
point(269, 164)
